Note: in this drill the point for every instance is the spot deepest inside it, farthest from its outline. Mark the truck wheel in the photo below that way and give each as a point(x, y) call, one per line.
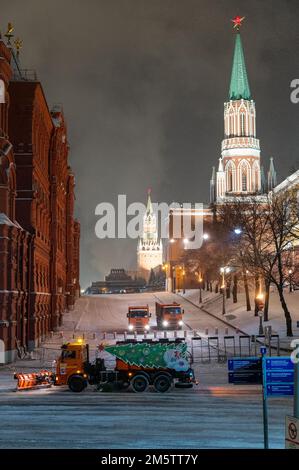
point(162, 383)
point(139, 383)
point(77, 383)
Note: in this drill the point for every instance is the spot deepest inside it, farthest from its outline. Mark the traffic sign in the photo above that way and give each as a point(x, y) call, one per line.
point(278, 376)
point(291, 433)
point(280, 390)
point(280, 362)
point(245, 371)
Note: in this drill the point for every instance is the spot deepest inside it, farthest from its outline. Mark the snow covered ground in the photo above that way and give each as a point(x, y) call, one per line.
point(246, 321)
point(213, 414)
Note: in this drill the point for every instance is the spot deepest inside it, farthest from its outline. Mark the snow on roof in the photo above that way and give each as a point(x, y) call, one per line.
point(4, 220)
point(288, 182)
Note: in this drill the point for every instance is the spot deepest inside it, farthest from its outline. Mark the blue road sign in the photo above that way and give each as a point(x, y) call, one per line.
point(244, 363)
point(280, 390)
point(245, 371)
point(278, 373)
point(281, 363)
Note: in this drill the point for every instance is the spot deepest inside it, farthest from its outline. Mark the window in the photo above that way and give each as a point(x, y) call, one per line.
point(68, 354)
point(242, 124)
point(244, 179)
point(230, 180)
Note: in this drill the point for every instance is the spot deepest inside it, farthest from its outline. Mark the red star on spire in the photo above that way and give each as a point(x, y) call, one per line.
point(238, 20)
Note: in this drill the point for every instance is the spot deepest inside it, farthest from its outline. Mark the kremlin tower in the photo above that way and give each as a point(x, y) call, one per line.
point(239, 170)
point(150, 249)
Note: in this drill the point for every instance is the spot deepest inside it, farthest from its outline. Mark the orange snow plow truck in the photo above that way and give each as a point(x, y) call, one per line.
point(139, 318)
point(138, 364)
point(169, 316)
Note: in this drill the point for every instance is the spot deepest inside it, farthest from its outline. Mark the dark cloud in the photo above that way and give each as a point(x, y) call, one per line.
point(143, 83)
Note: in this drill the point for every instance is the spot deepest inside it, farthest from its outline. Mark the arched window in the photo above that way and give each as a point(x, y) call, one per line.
point(244, 176)
point(230, 180)
point(230, 171)
point(231, 124)
point(244, 179)
point(242, 116)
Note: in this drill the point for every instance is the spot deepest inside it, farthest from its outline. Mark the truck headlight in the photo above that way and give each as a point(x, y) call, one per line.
point(147, 327)
point(181, 323)
point(131, 327)
point(165, 323)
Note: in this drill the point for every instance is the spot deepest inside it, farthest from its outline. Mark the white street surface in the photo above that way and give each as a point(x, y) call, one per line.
point(213, 414)
point(107, 313)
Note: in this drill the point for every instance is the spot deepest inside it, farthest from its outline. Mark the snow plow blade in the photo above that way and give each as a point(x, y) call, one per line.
point(33, 380)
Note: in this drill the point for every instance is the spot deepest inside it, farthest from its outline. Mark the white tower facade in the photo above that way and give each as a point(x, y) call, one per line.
point(239, 171)
point(150, 248)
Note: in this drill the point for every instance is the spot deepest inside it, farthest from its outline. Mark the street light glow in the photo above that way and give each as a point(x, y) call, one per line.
point(237, 231)
point(206, 236)
point(260, 296)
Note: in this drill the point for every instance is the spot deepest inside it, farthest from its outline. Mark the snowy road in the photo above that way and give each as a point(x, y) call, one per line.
point(211, 415)
point(207, 417)
point(100, 313)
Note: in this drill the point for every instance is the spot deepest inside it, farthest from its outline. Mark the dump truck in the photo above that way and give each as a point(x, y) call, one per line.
point(139, 318)
point(169, 316)
point(160, 364)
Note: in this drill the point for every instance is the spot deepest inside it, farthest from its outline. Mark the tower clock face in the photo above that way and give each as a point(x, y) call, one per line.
point(2, 92)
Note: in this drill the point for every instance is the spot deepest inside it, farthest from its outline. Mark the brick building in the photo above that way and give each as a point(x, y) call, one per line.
point(39, 238)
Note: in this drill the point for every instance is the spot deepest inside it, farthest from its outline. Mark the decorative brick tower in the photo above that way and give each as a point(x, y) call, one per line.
point(150, 249)
point(239, 171)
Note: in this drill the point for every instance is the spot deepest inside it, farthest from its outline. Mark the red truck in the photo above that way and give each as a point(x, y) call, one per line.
point(169, 316)
point(139, 318)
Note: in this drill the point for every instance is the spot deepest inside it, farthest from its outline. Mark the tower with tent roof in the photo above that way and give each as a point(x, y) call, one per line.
point(240, 173)
point(150, 249)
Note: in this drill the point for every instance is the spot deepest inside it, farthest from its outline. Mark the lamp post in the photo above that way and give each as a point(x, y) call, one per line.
point(260, 305)
point(260, 315)
point(224, 270)
point(200, 286)
point(183, 274)
point(173, 280)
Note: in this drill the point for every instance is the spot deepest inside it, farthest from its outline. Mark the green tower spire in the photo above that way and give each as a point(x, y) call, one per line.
point(239, 86)
point(149, 207)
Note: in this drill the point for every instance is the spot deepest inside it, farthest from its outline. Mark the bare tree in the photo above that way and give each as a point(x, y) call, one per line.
point(268, 227)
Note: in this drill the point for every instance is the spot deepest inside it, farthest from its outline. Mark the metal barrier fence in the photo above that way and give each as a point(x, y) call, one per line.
point(216, 348)
point(203, 348)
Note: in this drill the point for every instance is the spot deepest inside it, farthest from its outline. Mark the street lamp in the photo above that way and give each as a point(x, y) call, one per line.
point(206, 236)
point(173, 279)
point(260, 314)
point(224, 270)
point(260, 298)
point(183, 274)
point(200, 286)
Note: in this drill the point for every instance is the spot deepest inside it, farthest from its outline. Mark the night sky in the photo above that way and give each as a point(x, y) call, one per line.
point(143, 82)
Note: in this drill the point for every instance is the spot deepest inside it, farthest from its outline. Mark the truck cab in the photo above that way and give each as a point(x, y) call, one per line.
point(139, 318)
point(71, 364)
point(169, 316)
